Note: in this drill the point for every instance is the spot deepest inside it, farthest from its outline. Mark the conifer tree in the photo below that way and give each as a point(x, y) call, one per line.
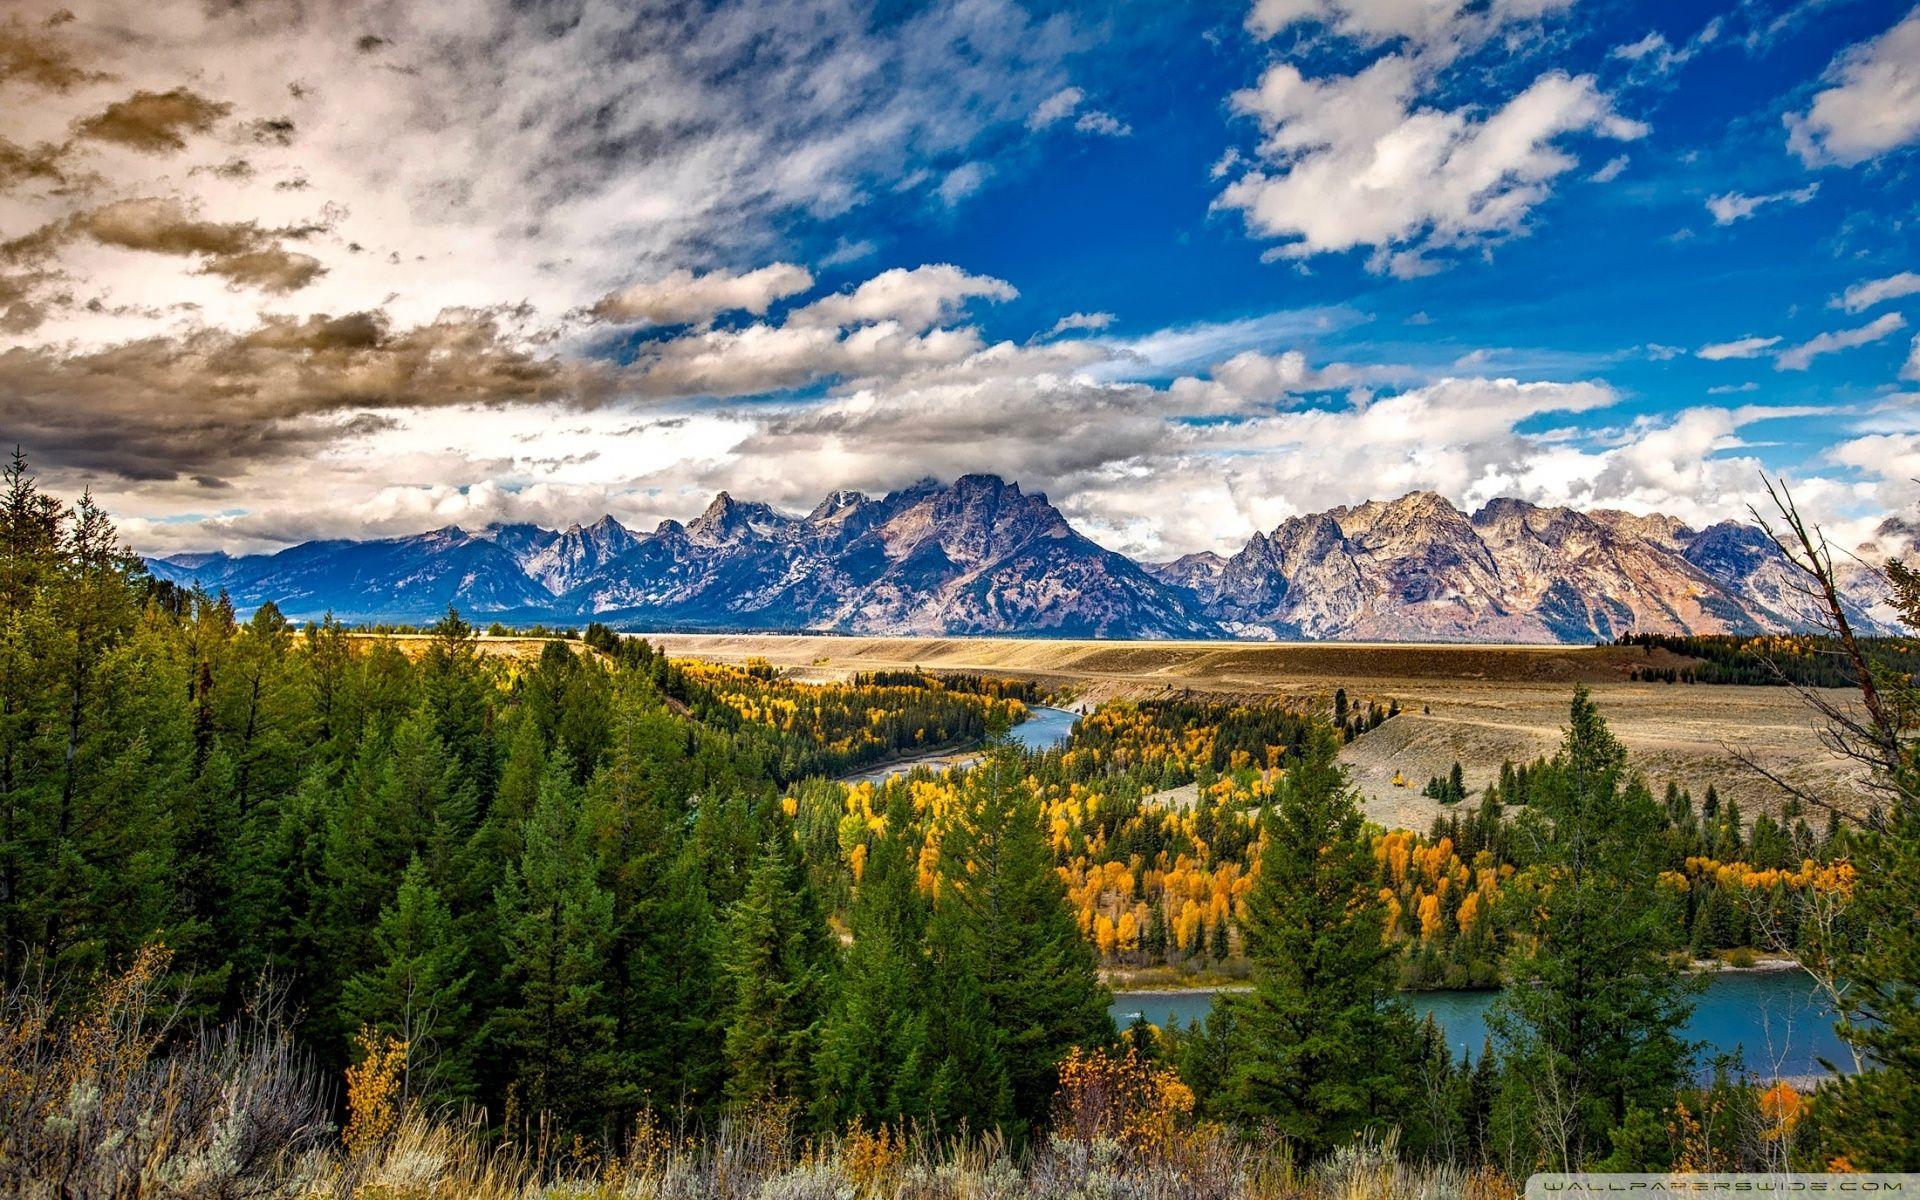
point(779, 965)
point(876, 1033)
point(664, 985)
point(1321, 1044)
point(1002, 930)
point(417, 991)
point(1590, 1020)
point(554, 1033)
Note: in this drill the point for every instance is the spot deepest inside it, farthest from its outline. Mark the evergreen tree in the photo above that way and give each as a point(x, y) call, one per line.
point(779, 966)
point(875, 1036)
point(554, 1033)
point(1590, 1020)
point(1002, 931)
point(417, 990)
point(1321, 1043)
point(664, 984)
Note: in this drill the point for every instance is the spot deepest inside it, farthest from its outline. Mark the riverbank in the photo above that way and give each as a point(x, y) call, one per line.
point(1235, 976)
point(1044, 728)
point(1773, 1022)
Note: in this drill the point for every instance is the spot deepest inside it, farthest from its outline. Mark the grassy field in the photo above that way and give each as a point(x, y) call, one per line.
point(1478, 704)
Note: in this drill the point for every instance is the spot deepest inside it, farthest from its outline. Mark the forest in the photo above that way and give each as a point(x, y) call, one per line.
point(286, 909)
point(1774, 659)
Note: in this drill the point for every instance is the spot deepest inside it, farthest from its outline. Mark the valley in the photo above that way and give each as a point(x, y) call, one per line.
point(1478, 705)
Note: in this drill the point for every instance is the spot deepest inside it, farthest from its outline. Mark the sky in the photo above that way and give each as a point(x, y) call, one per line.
point(273, 271)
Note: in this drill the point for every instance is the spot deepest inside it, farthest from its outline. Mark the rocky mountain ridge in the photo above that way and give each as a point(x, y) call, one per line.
point(980, 556)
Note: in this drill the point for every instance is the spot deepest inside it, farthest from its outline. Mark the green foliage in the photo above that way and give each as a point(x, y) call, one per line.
point(780, 966)
point(556, 924)
point(871, 1049)
point(1590, 1019)
point(1321, 1044)
point(1010, 965)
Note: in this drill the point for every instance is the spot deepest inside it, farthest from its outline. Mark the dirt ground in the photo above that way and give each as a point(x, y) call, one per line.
point(1481, 705)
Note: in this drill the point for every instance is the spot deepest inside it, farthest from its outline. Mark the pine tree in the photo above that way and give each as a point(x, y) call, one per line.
point(1002, 930)
point(417, 991)
point(555, 1033)
point(664, 985)
point(780, 968)
point(876, 1033)
point(1590, 1020)
point(1321, 1046)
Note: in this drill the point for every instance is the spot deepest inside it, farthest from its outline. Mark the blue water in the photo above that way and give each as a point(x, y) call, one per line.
point(1043, 729)
point(1773, 1018)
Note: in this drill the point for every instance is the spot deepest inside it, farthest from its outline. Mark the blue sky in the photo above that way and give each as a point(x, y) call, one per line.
point(1188, 269)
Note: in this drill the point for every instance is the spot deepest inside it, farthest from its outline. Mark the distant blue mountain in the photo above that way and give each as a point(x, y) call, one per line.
point(982, 557)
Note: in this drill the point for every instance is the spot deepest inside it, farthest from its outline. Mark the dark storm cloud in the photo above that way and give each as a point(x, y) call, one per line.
point(239, 251)
point(153, 122)
point(212, 404)
point(29, 56)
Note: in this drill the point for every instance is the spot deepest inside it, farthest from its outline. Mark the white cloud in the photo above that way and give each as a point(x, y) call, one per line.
point(917, 299)
point(1420, 21)
point(1356, 162)
point(1911, 368)
point(1869, 292)
point(1081, 320)
point(683, 298)
point(963, 181)
point(1102, 124)
point(1186, 347)
point(1652, 45)
point(1065, 103)
point(481, 154)
point(1611, 169)
point(1799, 358)
point(1055, 108)
point(1654, 55)
point(1873, 105)
point(1746, 347)
point(1729, 207)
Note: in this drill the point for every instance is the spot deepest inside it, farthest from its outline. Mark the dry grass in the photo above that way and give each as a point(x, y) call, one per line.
point(102, 1099)
point(1484, 704)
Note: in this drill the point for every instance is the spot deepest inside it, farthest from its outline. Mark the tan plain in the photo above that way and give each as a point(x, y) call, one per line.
point(1486, 704)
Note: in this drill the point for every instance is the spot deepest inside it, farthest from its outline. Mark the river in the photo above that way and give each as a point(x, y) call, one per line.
point(1043, 729)
point(1773, 1017)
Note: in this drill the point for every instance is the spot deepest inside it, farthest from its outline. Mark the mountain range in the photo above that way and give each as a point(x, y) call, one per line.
point(980, 556)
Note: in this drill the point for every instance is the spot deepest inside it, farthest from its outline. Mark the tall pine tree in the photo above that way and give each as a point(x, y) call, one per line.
point(1590, 1020)
point(1322, 1048)
point(555, 1033)
point(780, 970)
point(1006, 946)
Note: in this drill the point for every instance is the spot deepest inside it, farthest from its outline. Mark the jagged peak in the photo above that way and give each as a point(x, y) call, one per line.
point(982, 481)
point(837, 503)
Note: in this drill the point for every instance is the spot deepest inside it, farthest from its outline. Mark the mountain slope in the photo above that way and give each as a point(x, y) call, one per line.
point(1417, 568)
point(394, 579)
point(980, 556)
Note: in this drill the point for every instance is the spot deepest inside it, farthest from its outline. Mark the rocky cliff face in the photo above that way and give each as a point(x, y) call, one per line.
point(983, 557)
point(1418, 568)
point(977, 557)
